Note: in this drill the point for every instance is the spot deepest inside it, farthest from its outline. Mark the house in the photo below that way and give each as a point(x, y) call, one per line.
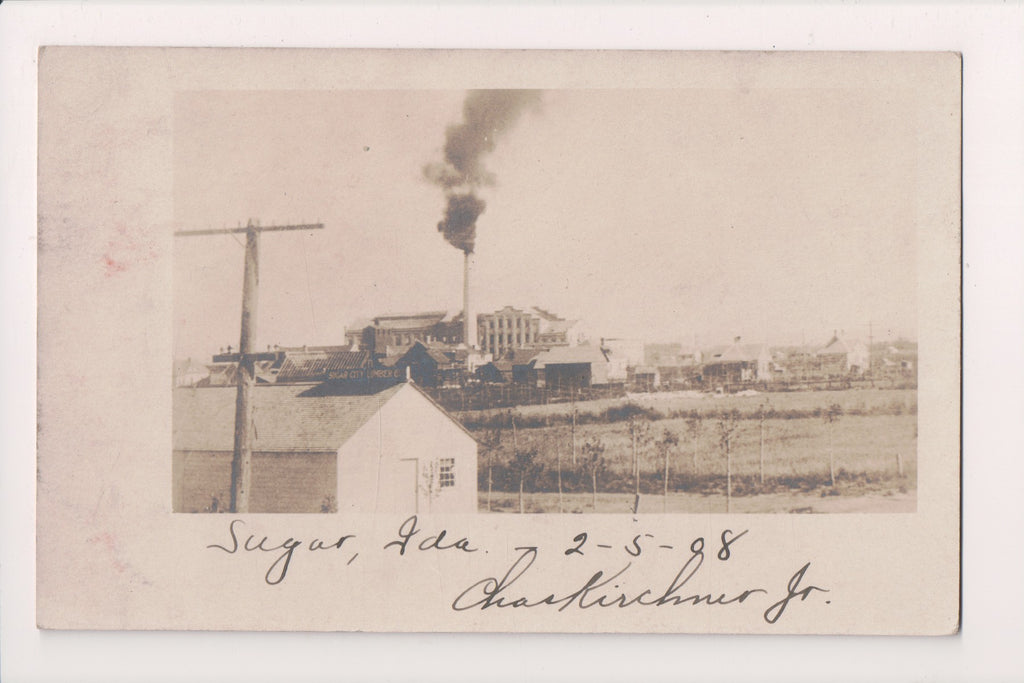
point(431, 366)
point(494, 372)
point(840, 357)
point(737, 364)
point(522, 366)
point(316, 449)
point(675, 364)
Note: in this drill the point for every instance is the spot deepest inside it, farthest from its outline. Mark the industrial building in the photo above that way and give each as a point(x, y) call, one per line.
point(512, 328)
point(377, 334)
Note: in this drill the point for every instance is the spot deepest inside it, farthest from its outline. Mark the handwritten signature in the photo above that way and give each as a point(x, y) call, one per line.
point(600, 590)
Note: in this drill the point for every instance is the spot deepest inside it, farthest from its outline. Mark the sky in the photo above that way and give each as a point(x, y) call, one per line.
point(665, 215)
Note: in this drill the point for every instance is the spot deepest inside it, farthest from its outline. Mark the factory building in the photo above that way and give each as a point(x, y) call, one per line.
point(512, 328)
point(377, 334)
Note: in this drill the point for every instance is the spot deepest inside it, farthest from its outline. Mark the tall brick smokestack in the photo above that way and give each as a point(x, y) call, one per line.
point(468, 313)
point(486, 116)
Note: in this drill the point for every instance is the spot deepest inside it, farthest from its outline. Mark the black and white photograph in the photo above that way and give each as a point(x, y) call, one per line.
point(546, 301)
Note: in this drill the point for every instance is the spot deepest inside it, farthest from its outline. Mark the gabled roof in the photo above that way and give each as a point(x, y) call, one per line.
point(308, 366)
point(389, 361)
point(740, 353)
point(570, 355)
point(283, 419)
point(419, 390)
point(440, 355)
point(524, 356)
point(837, 346)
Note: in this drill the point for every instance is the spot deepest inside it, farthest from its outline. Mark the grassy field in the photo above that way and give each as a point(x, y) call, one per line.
point(855, 401)
point(697, 503)
point(871, 441)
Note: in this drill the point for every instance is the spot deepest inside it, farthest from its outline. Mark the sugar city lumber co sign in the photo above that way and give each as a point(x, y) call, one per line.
point(366, 374)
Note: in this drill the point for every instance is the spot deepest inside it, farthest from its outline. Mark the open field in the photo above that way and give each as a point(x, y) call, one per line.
point(873, 445)
point(697, 503)
point(854, 401)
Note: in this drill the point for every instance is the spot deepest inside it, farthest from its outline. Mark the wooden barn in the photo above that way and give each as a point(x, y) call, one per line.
point(572, 366)
point(318, 450)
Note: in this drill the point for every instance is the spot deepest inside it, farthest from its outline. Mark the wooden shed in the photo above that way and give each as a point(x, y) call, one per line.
point(392, 451)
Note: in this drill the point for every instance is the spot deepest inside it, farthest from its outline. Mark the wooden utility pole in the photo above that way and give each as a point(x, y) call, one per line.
point(636, 468)
point(572, 400)
point(515, 459)
point(761, 467)
point(241, 459)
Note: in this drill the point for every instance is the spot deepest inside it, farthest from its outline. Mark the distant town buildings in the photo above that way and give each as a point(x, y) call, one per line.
point(533, 347)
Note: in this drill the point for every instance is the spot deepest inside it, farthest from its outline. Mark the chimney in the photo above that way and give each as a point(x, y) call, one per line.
point(468, 318)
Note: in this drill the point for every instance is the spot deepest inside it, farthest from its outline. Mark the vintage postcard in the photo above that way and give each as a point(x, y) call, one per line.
point(524, 341)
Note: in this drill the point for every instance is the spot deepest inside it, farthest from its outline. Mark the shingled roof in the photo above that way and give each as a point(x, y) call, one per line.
point(284, 420)
point(310, 366)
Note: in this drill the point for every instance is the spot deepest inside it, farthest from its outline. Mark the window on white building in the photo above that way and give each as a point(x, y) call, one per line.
point(447, 473)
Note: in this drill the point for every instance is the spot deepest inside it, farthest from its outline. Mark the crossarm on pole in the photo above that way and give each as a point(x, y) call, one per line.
point(268, 228)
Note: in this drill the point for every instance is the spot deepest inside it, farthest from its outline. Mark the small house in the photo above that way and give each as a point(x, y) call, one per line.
point(738, 364)
point(842, 357)
point(318, 450)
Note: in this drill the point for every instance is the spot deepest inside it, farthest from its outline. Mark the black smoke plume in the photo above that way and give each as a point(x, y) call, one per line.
point(486, 115)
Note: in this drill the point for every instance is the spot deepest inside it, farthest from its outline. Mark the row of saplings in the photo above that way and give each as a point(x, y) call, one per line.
point(590, 470)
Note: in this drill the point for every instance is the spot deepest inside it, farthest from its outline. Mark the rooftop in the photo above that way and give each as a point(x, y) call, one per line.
point(568, 355)
point(304, 366)
point(285, 418)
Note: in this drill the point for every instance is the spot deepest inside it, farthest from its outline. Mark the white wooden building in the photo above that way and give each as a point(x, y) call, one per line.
point(393, 451)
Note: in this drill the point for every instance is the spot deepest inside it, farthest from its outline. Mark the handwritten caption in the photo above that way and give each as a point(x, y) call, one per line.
point(599, 588)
